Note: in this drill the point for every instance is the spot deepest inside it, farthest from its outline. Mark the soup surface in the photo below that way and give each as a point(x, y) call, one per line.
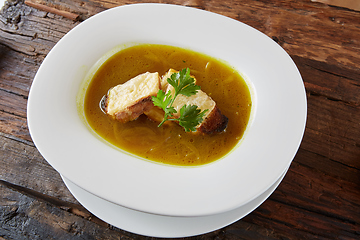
point(170, 144)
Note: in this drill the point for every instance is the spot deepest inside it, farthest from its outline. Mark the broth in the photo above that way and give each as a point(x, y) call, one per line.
point(170, 144)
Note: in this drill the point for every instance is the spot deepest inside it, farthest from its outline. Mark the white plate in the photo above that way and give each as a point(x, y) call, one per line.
point(278, 115)
point(162, 226)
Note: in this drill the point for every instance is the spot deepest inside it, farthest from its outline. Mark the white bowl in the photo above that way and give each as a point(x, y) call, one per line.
point(271, 141)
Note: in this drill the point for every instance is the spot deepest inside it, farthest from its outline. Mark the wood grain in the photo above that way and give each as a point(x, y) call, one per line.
point(319, 197)
point(43, 7)
point(25, 217)
point(350, 4)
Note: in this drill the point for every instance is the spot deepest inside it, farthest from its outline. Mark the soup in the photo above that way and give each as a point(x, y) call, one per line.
point(170, 144)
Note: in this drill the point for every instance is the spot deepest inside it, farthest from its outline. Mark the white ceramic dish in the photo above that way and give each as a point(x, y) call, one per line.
point(162, 226)
point(278, 118)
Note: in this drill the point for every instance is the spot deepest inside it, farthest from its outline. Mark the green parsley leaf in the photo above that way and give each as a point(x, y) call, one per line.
point(162, 100)
point(183, 83)
point(190, 117)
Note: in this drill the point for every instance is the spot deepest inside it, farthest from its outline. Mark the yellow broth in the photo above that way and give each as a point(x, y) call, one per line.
point(170, 144)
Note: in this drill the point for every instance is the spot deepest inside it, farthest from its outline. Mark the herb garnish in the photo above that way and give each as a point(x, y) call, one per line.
point(190, 115)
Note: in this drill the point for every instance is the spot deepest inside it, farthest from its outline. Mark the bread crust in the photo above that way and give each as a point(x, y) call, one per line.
point(132, 112)
point(214, 122)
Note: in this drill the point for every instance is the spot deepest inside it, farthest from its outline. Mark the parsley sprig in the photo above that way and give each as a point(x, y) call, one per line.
point(190, 115)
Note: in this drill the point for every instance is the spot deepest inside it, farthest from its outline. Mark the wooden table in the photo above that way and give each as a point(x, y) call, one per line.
point(319, 197)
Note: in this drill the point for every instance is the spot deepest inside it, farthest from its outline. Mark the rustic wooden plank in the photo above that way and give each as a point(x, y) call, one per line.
point(331, 137)
point(73, 207)
point(31, 31)
point(34, 32)
point(21, 159)
point(16, 71)
point(12, 103)
point(350, 4)
point(333, 130)
point(330, 81)
point(14, 125)
point(301, 223)
point(244, 230)
point(25, 217)
point(327, 166)
point(44, 7)
point(75, 10)
point(310, 189)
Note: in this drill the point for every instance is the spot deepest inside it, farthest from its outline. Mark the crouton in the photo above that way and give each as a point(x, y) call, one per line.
point(126, 102)
point(214, 120)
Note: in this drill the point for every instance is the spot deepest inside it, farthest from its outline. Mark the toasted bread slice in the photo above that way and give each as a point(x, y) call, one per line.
point(127, 101)
point(214, 120)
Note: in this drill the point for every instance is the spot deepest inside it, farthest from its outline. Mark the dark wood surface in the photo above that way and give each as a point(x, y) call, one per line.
point(319, 197)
